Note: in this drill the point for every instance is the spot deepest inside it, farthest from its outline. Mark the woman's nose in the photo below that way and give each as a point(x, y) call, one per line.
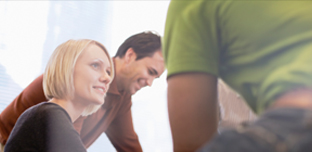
point(106, 78)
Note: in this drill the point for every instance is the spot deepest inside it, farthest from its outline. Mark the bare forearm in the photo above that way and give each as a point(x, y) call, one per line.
point(301, 98)
point(192, 110)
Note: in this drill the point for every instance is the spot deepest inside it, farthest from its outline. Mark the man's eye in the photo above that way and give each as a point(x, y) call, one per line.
point(150, 72)
point(108, 72)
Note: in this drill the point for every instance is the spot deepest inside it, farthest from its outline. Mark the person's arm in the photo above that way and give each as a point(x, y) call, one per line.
point(121, 132)
point(192, 109)
point(191, 46)
point(300, 98)
point(31, 95)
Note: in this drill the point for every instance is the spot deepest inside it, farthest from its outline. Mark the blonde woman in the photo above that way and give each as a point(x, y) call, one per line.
point(75, 81)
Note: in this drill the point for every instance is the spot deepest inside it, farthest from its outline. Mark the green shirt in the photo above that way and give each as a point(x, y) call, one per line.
point(261, 49)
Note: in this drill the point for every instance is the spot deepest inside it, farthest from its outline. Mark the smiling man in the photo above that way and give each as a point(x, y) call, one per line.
point(138, 62)
point(138, 65)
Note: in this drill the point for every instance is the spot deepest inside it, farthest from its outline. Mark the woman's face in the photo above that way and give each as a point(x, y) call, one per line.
point(92, 76)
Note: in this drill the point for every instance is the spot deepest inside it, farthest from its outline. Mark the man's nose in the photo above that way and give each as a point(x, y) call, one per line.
point(149, 81)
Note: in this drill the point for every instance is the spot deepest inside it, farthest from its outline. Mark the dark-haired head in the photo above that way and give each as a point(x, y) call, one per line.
point(144, 44)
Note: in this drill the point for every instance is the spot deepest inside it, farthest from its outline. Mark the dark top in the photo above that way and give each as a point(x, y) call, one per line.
point(45, 127)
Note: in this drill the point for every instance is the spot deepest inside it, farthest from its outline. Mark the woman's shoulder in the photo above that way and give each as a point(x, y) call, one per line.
point(45, 110)
point(46, 106)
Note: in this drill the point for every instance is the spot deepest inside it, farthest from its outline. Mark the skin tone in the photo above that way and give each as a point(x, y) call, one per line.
point(132, 74)
point(194, 123)
point(192, 109)
point(299, 98)
point(92, 75)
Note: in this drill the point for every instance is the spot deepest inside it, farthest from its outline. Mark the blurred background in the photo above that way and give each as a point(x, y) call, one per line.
point(31, 30)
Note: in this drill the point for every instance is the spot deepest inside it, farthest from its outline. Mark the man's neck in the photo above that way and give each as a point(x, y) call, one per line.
point(118, 65)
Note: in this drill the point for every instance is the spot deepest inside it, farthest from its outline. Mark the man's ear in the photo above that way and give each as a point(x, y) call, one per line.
point(130, 55)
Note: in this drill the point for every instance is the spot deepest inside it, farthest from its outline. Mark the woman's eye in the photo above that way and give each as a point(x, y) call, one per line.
point(95, 65)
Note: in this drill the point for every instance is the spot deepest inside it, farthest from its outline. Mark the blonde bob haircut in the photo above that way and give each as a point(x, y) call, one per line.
point(58, 80)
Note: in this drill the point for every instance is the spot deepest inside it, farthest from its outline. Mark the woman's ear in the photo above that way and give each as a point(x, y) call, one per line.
point(130, 56)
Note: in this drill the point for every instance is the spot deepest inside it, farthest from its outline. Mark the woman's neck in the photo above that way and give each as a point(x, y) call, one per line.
point(74, 110)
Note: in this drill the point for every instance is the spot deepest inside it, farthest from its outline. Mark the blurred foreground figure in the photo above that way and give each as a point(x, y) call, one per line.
point(261, 49)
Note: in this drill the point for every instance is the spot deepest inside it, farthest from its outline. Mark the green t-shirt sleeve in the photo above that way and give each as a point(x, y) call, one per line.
point(190, 43)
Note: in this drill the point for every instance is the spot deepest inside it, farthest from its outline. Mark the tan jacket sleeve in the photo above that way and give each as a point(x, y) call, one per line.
point(121, 132)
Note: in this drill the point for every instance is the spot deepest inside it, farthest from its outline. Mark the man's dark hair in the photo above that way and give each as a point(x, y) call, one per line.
point(143, 44)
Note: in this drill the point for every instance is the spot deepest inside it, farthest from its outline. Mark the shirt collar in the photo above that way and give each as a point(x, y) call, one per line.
point(113, 86)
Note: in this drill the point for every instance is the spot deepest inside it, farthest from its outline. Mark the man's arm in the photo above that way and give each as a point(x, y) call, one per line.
point(31, 95)
point(121, 132)
point(192, 109)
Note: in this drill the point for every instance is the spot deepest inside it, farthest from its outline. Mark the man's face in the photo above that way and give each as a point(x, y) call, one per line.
point(140, 73)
